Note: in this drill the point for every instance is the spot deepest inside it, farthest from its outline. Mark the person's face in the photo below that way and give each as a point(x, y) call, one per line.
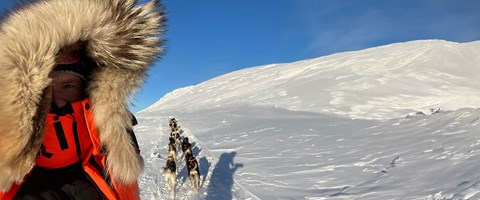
point(66, 88)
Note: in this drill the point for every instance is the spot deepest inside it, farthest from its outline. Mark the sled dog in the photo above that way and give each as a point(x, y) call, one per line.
point(176, 137)
point(170, 171)
point(172, 124)
point(185, 144)
point(187, 154)
point(193, 172)
point(172, 151)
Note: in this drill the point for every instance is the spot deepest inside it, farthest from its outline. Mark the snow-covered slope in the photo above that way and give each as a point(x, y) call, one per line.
point(335, 127)
point(377, 83)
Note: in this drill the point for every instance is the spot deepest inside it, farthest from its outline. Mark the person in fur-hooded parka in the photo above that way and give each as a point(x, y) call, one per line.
point(118, 36)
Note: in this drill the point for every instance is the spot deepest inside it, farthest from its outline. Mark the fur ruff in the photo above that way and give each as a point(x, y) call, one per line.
point(118, 36)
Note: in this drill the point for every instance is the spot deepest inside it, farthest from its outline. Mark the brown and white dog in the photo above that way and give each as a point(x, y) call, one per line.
point(170, 171)
point(172, 124)
point(193, 171)
point(187, 154)
point(186, 146)
point(176, 137)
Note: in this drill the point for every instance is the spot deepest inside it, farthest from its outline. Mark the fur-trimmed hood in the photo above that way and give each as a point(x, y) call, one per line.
point(120, 37)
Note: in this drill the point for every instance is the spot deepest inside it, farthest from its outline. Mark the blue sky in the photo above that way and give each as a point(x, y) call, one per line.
point(210, 38)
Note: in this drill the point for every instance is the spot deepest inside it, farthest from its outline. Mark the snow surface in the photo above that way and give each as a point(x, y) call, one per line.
point(391, 122)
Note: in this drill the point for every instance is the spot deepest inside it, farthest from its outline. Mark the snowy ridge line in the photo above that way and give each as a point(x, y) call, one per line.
point(416, 75)
point(212, 158)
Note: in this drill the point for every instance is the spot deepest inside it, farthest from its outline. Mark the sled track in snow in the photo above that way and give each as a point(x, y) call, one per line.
point(204, 152)
point(153, 184)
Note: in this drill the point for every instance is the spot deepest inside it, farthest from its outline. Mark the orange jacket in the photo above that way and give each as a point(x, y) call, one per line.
point(72, 138)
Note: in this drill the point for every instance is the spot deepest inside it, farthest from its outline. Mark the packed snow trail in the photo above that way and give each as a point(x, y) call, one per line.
point(154, 140)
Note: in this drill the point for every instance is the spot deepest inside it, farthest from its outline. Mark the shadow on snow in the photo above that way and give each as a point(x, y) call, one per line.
point(221, 181)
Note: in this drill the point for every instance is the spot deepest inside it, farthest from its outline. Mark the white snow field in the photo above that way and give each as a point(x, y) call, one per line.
point(391, 122)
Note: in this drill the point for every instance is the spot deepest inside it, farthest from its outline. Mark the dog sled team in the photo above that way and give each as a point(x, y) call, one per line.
point(170, 170)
